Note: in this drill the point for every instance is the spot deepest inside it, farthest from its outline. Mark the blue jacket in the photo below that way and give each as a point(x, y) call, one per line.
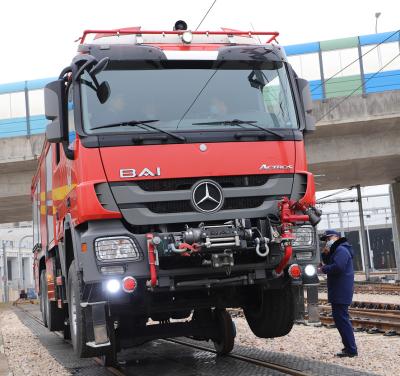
point(339, 269)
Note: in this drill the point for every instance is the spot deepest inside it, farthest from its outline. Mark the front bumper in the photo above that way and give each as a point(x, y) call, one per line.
point(258, 271)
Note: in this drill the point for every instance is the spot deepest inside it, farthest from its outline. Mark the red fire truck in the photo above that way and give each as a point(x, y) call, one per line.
point(173, 185)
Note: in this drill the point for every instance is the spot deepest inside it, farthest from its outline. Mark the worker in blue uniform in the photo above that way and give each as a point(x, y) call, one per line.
point(337, 257)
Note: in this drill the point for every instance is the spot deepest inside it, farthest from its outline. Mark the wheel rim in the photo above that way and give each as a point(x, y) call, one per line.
point(73, 320)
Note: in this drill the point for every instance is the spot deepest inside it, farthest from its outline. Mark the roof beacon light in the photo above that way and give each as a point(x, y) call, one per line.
point(187, 37)
point(180, 25)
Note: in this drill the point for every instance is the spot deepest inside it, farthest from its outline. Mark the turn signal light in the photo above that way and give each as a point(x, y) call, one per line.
point(294, 271)
point(129, 284)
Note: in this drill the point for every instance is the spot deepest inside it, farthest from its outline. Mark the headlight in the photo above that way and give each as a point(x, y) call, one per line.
point(113, 285)
point(310, 270)
point(117, 249)
point(304, 236)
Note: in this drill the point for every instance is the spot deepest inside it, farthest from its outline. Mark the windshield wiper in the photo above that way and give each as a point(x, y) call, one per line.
point(138, 123)
point(240, 122)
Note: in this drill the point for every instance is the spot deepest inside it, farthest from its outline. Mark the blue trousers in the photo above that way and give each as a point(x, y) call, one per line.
point(340, 313)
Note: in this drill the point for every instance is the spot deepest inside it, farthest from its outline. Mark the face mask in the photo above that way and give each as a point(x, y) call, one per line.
point(329, 243)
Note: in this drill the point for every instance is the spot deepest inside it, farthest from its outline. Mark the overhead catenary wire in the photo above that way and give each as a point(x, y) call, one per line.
point(337, 193)
point(208, 11)
point(355, 61)
point(358, 88)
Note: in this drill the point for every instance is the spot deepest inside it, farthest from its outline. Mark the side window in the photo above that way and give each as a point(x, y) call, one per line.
point(277, 99)
point(36, 214)
point(71, 120)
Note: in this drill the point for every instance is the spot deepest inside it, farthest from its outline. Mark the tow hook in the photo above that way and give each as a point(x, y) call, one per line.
point(259, 242)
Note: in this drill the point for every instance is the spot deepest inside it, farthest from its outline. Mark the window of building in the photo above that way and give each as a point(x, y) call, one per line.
point(9, 269)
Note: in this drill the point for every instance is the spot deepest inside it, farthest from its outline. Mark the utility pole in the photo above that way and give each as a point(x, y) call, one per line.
point(364, 241)
point(5, 272)
point(394, 193)
point(340, 218)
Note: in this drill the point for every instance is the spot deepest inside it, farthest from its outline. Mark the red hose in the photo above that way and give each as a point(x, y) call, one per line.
point(152, 260)
point(285, 259)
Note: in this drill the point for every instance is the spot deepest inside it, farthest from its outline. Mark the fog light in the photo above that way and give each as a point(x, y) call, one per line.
point(129, 284)
point(113, 285)
point(187, 37)
point(294, 271)
point(304, 255)
point(310, 270)
point(113, 269)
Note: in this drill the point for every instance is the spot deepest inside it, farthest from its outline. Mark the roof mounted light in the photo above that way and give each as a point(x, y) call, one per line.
point(180, 25)
point(187, 37)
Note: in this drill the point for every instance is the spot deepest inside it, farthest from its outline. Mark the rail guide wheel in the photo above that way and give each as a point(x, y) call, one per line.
point(227, 332)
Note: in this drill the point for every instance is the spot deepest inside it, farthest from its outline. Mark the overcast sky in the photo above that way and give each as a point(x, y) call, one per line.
point(37, 37)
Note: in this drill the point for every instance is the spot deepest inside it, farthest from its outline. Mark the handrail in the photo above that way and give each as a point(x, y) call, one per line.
point(273, 34)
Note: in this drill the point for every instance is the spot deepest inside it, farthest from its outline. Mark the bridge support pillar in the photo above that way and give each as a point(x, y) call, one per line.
point(395, 208)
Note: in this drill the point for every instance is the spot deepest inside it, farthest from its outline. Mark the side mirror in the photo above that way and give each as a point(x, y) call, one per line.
point(103, 92)
point(55, 110)
point(305, 93)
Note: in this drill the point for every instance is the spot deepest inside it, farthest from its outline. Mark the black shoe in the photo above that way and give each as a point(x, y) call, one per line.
point(345, 354)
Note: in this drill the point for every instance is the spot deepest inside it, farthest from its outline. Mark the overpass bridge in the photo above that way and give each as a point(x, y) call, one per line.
point(356, 142)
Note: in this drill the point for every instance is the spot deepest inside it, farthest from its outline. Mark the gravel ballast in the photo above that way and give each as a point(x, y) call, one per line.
point(377, 353)
point(26, 355)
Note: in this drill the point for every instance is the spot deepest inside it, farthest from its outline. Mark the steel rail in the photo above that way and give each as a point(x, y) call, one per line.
point(258, 362)
point(112, 370)
point(376, 288)
point(367, 323)
point(243, 358)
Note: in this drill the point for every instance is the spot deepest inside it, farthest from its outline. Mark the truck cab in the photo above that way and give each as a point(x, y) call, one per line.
point(173, 185)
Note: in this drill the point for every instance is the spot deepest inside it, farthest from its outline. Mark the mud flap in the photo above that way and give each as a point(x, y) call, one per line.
point(312, 304)
point(299, 305)
point(98, 325)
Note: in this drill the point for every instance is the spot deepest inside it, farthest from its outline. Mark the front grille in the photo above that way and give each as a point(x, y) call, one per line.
point(187, 183)
point(186, 206)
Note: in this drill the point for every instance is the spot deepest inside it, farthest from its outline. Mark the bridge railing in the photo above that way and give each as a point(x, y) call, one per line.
point(22, 108)
point(335, 68)
point(340, 67)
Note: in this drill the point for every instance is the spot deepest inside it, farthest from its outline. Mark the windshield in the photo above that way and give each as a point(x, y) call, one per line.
point(183, 96)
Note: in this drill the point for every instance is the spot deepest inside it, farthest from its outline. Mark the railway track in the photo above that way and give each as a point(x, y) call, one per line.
point(367, 316)
point(119, 371)
point(371, 288)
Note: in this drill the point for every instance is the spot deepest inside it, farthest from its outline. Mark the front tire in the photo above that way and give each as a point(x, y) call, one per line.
point(77, 322)
point(227, 332)
point(270, 314)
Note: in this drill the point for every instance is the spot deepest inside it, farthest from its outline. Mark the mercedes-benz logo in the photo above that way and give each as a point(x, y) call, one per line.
point(207, 196)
